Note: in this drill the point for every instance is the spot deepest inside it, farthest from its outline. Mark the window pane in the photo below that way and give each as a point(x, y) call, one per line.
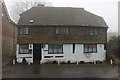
point(85, 50)
point(92, 31)
point(26, 30)
point(24, 48)
point(54, 49)
point(90, 48)
point(23, 31)
point(94, 48)
point(21, 50)
point(50, 50)
point(62, 30)
point(59, 49)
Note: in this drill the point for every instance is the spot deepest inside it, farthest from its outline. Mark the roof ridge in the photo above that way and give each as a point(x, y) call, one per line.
point(57, 7)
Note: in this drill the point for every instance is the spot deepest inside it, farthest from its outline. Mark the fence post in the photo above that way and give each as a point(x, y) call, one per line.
point(94, 62)
point(58, 62)
point(40, 61)
point(77, 63)
point(13, 62)
point(28, 63)
point(111, 61)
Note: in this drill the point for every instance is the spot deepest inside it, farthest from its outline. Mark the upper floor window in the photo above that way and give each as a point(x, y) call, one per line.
point(61, 30)
point(23, 48)
point(55, 49)
point(23, 31)
point(90, 48)
point(92, 31)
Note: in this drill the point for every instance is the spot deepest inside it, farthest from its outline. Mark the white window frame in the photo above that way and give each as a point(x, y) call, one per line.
point(23, 48)
point(90, 48)
point(92, 32)
point(62, 30)
point(23, 31)
point(55, 49)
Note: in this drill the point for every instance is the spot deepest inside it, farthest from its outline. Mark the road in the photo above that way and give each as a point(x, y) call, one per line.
point(61, 71)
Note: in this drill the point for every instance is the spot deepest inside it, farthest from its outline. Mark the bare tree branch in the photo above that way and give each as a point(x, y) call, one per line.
point(24, 5)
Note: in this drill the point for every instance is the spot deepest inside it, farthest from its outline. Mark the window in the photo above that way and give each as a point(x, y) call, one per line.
point(61, 30)
point(92, 32)
point(55, 49)
point(24, 49)
point(23, 31)
point(90, 48)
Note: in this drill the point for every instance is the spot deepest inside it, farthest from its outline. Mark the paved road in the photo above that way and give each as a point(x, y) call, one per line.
point(61, 71)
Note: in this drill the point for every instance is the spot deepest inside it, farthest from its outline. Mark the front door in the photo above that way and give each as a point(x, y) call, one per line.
point(36, 53)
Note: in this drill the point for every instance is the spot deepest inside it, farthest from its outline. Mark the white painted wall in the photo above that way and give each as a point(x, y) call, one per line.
point(78, 55)
point(45, 53)
point(68, 54)
point(21, 56)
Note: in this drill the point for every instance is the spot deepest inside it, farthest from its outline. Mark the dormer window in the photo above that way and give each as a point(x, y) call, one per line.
point(31, 21)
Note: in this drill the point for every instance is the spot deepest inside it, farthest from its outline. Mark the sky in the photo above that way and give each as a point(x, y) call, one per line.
point(108, 9)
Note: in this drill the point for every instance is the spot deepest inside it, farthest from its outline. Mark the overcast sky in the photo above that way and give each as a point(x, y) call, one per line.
point(108, 9)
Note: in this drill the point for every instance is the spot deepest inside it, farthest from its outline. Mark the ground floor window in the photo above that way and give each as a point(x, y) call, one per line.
point(90, 48)
point(55, 49)
point(24, 48)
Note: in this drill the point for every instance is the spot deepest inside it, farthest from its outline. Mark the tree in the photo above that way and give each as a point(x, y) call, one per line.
point(24, 5)
point(113, 49)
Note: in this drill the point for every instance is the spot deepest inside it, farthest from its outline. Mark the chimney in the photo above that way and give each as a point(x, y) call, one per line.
point(41, 5)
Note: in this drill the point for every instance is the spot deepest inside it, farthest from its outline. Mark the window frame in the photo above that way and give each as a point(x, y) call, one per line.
point(24, 49)
point(23, 32)
point(61, 30)
point(90, 48)
point(92, 31)
point(54, 45)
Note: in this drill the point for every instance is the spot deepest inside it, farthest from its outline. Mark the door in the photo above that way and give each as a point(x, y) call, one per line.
point(36, 53)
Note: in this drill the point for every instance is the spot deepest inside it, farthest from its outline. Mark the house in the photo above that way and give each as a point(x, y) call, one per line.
point(61, 34)
point(9, 36)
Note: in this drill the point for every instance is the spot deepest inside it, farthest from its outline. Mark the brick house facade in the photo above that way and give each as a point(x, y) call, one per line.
point(64, 34)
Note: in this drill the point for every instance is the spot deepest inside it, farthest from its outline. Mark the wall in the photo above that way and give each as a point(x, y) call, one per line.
point(9, 35)
point(0, 41)
point(68, 54)
point(47, 34)
point(21, 56)
point(78, 55)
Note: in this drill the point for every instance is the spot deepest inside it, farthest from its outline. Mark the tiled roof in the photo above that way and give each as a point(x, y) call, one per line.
point(60, 16)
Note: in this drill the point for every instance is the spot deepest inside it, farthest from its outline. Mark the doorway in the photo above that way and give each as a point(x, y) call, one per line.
point(36, 53)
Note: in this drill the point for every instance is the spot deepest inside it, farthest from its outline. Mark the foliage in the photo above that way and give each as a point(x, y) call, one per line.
point(113, 48)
